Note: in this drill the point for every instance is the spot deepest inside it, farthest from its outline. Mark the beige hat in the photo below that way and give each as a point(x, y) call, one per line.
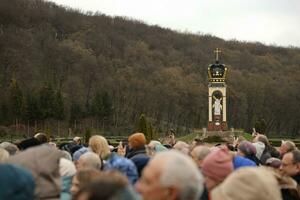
point(248, 183)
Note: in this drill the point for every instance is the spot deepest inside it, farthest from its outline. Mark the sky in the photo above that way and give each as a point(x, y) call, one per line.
point(271, 22)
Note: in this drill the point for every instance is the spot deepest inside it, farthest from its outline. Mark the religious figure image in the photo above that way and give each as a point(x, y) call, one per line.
point(217, 106)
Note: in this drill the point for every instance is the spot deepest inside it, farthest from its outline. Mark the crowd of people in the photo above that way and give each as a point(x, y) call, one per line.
point(139, 169)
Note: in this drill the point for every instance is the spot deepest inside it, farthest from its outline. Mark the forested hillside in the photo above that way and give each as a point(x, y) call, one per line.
point(73, 69)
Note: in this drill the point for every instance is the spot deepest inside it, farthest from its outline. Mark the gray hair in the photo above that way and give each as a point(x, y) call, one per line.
point(296, 156)
point(201, 152)
point(180, 171)
point(90, 160)
point(11, 148)
point(66, 155)
point(4, 155)
point(289, 145)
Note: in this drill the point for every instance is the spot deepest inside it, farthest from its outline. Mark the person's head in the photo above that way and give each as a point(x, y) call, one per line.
point(273, 162)
point(155, 147)
point(182, 147)
point(170, 137)
point(263, 139)
point(99, 145)
point(246, 149)
point(196, 142)
point(4, 155)
point(286, 146)
point(77, 140)
point(260, 147)
point(82, 178)
point(66, 155)
point(137, 141)
point(11, 148)
point(290, 164)
point(163, 178)
point(114, 186)
point(248, 183)
point(41, 137)
point(16, 183)
point(89, 160)
point(240, 139)
point(66, 167)
point(216, 166)
point(199, 153)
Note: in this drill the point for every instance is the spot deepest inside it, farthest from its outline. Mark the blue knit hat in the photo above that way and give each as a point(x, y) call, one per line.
point(239, 161)
point(16, 183)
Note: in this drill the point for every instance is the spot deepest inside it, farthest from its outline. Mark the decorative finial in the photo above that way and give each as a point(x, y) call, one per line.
point(217, 51)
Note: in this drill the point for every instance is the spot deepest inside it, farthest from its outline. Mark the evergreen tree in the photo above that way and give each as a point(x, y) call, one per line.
point(146, 127)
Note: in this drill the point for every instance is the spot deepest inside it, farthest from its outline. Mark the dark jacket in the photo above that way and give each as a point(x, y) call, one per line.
point(139, 157)
point(123, 165)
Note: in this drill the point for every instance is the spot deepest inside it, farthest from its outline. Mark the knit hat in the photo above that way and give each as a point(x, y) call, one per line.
point(160, 148)
point(137, 140)
point(260, 147)
point(247, 148)
point(218, 164)
point(16, 183)
point(248, 183)
point(239, 161)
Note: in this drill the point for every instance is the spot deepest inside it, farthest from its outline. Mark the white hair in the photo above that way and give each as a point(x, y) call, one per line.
point(181, 172)
point(182, 147)
point(4, 155)
point(90, 160)
point(66, 167)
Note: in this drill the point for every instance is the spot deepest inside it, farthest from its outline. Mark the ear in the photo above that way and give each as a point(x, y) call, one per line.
point(173, 193)
point(298, 167)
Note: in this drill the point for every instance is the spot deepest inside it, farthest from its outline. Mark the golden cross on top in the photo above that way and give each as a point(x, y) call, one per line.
point(217, 51)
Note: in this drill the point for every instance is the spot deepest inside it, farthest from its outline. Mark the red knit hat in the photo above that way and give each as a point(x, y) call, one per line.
point(137, 140)
point(217, 165)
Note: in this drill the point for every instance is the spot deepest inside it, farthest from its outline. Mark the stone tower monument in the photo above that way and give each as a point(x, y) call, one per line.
point(217, 118)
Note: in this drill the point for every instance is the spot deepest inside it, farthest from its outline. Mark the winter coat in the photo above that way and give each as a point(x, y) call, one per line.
point(139, 158)
point(124, 165)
